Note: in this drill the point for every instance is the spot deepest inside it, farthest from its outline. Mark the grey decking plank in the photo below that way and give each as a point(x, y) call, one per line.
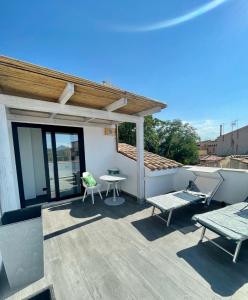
point(101, 278)
point(101, 252)
point(114, 246)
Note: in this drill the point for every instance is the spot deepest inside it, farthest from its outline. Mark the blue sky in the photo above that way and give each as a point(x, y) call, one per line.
point(198, 67)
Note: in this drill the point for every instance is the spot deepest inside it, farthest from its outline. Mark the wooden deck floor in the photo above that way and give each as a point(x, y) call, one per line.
point(102, 252)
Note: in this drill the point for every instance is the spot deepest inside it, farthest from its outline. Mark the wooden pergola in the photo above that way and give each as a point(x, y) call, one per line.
point(34, 94)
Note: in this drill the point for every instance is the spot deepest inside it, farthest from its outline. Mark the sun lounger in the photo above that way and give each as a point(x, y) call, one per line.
point(230, 222)
point(169, 202)
point(202, 190)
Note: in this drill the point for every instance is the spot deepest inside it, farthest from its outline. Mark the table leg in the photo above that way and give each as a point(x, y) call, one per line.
point(115, 200)
point(114, 193)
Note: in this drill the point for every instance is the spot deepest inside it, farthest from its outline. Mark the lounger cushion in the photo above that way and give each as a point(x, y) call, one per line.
point(230, 221)
point(193, 187)
point(175, 200)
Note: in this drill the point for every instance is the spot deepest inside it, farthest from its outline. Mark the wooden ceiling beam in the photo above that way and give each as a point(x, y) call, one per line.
point(117, 104)
point(67, 93)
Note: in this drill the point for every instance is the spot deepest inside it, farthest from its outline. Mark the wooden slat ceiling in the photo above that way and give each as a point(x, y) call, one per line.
point(27, 80)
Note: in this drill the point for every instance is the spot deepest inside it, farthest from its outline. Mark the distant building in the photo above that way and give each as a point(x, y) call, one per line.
point(230, 162)
point(238, 162)
point(233, 143)
point(212, 161)
point(229, 150)
point(207, 147)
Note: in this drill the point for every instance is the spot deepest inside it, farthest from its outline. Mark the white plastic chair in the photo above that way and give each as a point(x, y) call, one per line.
point(90, 189)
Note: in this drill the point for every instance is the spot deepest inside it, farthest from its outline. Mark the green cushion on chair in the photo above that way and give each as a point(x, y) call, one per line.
point(89, 180)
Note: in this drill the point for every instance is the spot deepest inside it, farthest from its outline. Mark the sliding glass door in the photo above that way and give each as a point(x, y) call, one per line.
point(63, 155)
point(53, 157)
point(68, 162)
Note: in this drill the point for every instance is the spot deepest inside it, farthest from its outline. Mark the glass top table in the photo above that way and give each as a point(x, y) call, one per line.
point(113, 179)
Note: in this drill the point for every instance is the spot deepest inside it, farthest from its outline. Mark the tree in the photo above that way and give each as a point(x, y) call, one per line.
point(127, 133)
point(151, 138)
point(172, 139)
point(178, 141)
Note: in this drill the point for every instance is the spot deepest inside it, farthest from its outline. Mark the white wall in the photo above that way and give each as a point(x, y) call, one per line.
point(99, 151)
point(234, 188)
point(159, 182)
point(9, 199)
point(127, 167)
point(156, 182)
point(181, 179)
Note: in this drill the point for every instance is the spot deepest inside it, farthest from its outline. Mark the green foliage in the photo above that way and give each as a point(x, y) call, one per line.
point(127, 133)
point(151, 138)
point(172, 139)
point(178, 141)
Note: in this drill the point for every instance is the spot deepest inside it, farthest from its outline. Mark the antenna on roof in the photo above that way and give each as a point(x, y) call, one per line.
point(234, 123)
point(221, 129)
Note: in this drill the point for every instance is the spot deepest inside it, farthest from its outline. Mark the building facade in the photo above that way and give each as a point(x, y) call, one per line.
point(207, 147)
point(233, 143)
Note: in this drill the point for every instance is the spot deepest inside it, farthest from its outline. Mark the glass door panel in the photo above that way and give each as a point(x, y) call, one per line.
point(50, 159)
point(68, 162)
point(32, 165)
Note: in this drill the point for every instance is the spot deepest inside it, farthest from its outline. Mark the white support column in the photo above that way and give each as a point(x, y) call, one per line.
point(140, 159)
point(9, 198)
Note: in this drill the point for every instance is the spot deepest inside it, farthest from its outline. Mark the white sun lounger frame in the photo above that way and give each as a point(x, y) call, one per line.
point(221, 228)
point(202, 197)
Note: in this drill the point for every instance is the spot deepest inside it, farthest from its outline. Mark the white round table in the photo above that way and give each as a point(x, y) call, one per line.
point(114, 179)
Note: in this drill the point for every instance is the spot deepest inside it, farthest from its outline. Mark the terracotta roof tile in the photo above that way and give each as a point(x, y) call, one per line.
point(211, 158)
point(242, 158)
point(152, 161)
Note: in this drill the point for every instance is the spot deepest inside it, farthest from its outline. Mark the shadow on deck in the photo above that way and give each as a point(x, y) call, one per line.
point(122, 252)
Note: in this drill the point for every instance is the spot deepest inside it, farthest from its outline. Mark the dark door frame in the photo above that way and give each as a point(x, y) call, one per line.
point(44, 129)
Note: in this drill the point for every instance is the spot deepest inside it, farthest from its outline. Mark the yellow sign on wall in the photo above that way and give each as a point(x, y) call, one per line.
point(109, 131)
